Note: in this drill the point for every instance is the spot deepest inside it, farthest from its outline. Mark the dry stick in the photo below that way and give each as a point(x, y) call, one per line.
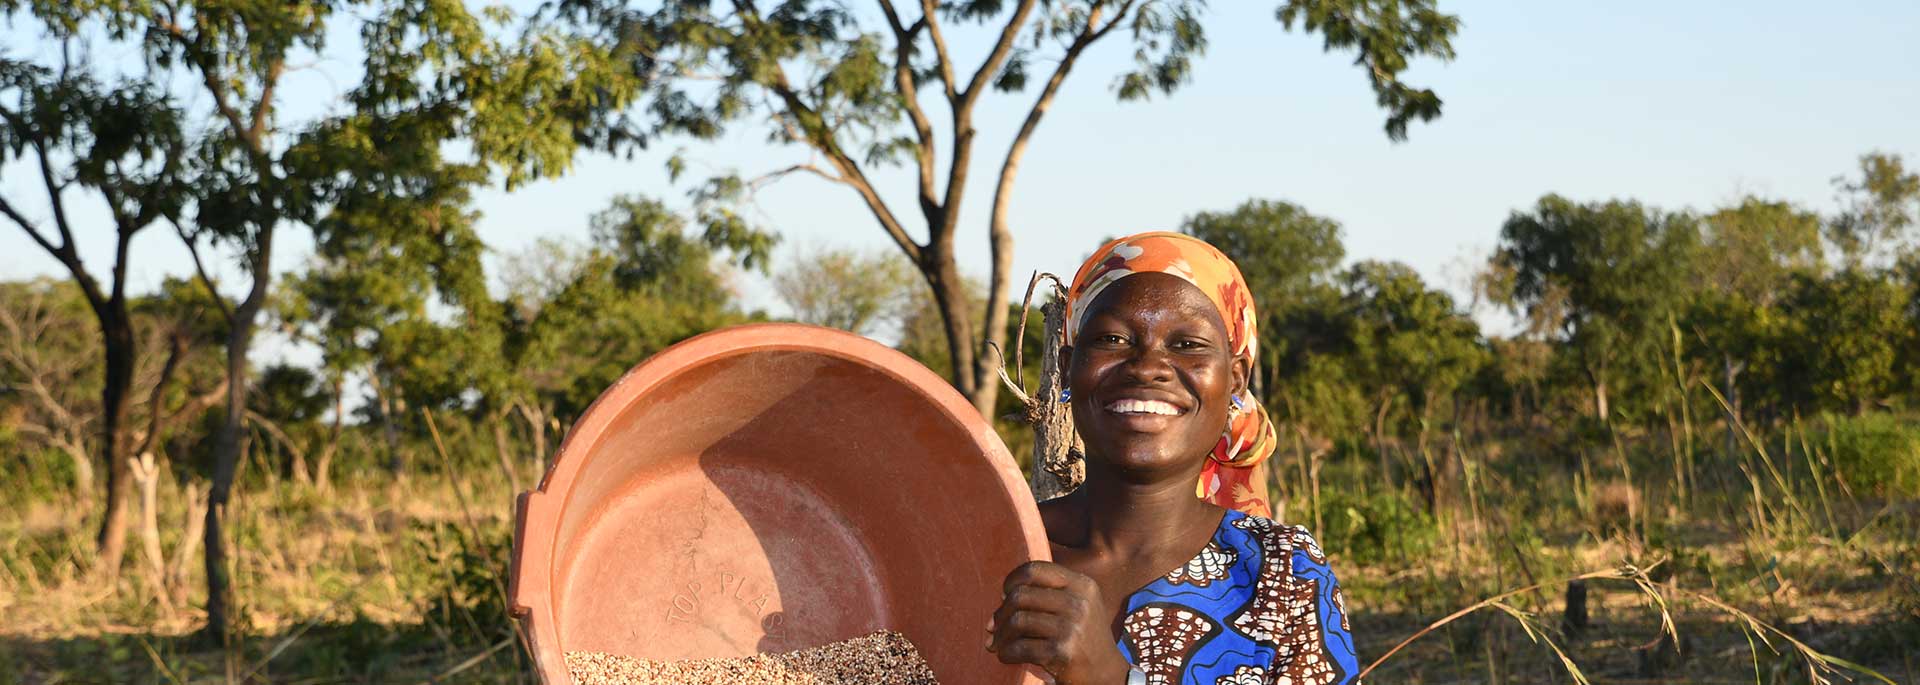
point(1057, 468)
point(146, 477)
point(1761, 628)
point(475, 660)
point(1816, 660)
point(1482, 604)
point(458, 490)
point(466, 511)
point(295, 635)
point(159, 664)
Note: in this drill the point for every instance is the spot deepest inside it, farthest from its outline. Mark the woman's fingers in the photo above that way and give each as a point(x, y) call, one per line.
point(1042, 574)
point(1036, 598)
point(1043, 653)
point(1023, 624)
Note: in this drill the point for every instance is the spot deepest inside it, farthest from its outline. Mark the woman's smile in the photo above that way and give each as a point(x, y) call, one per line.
point(1144, 415)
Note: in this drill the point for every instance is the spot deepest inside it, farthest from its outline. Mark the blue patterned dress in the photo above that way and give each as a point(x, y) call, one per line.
point(1257, 606)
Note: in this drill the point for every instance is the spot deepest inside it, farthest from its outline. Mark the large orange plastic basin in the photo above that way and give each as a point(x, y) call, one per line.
point(768, 488)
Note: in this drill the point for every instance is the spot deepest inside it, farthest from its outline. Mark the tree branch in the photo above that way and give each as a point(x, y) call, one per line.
point(32, 230)
point(765, 179)
point(125, 228)
point(200, 268)
point(904, 38)
point(1000, 235)
point(264, 108)
point(209, 76)
point(157, 395)
point(963, 131)
point(54, 187)
point(928, 10)
point(821, 138)
point(1001, 49)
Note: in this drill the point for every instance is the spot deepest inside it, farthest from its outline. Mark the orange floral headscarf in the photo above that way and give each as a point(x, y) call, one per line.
point(1235, 472)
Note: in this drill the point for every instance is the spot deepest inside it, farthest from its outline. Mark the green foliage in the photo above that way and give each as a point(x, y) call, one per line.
point(1604, 277)
point(1873, 452)
point(1408, 337)
point(1282, 249)
point(289, 394)
point(1844, 339)
point(1289, 256)
point(1387, 34)
point(647, 282)
point(1882, 206)
point(1380, 528)
point(866, 293)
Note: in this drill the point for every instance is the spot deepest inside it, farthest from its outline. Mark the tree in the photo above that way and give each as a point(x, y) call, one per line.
point(1844, 339)
point(431, 76)
point(1411, 338)
point(1410, 342)
point(1880, 207)
point(382, 261)
point(1288, 257)
point(1749, 253)
point(1603, 277)
point(123, 141)
point(580, 319)
point(48, 364)
point(850, 93)
point(866, 293)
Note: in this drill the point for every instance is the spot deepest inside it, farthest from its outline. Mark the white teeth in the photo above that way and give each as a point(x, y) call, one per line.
point(1143, 407)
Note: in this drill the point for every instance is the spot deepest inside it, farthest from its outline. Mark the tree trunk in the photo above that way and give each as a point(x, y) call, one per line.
point(323, 466)
point(195, 524)
point(501, 448)
point(536, 418)
point(116, 330)
point(950, 299)
point(146, 475)
point(389, 406)
point(1059, 465)
point(1380, 437)
point(226, 446)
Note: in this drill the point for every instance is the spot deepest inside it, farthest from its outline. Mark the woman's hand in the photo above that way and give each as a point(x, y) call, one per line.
point(1053, 617)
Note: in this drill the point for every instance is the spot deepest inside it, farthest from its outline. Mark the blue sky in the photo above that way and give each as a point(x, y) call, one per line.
point(1687, 104)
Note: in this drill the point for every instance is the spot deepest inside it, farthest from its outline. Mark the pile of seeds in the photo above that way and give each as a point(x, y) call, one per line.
point(882, 658)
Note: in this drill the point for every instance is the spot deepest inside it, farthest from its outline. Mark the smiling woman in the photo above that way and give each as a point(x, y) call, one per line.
point(1156, 579)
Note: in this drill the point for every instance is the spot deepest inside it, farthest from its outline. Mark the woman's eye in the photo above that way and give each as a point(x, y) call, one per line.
point(1112, 339)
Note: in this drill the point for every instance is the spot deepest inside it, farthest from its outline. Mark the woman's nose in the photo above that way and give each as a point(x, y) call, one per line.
point(1149, 364)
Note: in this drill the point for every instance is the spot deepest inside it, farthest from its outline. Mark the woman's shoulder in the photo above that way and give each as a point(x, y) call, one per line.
point(1274, 537)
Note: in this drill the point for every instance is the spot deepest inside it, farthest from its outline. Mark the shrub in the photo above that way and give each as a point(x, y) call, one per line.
point(1877, 453)
point(1379, 527)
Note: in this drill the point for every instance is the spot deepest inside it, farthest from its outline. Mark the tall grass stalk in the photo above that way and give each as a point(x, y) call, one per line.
point(1786, 492)
point(1820, 667)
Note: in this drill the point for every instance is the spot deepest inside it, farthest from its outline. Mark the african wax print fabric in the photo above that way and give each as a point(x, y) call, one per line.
point(1258, 606)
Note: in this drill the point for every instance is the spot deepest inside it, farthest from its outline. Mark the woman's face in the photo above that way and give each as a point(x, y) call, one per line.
point(1151, 373)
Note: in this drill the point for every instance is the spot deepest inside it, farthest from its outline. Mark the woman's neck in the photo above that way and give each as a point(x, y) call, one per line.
point(1131, 518)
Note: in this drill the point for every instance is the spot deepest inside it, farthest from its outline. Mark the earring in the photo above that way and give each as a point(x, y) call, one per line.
point(1066, 395)
point(1239, 405)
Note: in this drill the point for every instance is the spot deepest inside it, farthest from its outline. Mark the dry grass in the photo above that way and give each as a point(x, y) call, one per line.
point(385, 581)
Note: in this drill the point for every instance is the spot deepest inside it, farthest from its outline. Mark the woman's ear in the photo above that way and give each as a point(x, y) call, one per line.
point(1242, 374)
point(1066, 366)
